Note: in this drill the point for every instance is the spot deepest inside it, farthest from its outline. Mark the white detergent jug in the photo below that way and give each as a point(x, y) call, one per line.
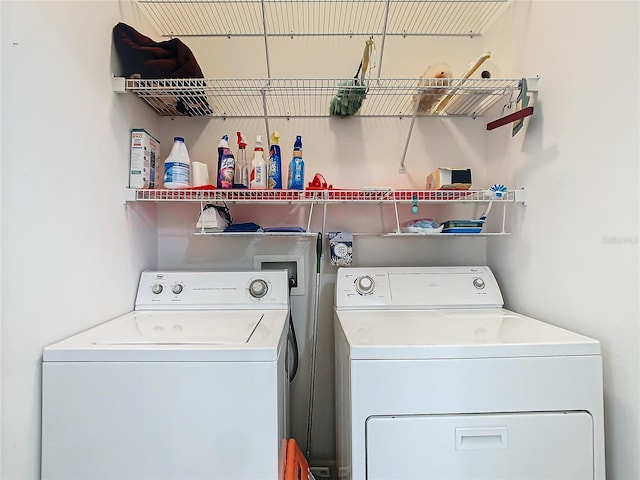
point(177, 165)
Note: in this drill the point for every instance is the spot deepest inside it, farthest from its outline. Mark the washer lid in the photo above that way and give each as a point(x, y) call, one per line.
point(465, 333)
point(188, 328)
point(215, 335)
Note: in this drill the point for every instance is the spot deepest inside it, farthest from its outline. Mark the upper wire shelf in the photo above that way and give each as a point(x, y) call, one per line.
point(247, 18)
point(287, 98)
point(320, 196)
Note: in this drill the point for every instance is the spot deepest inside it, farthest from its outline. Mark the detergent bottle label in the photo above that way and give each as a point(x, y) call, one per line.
point(176, 172)
point(227, 171)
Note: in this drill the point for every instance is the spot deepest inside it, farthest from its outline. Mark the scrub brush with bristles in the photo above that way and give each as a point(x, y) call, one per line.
point(351, 93)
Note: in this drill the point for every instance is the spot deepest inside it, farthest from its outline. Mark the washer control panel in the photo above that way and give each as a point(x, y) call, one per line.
point(212, 290)
point(417, 287)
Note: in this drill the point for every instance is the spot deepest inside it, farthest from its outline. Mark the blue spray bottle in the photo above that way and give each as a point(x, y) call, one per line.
point(274, 179)
point(296, 167)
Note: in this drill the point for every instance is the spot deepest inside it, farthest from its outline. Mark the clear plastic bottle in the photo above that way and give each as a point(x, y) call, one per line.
point(177, 165)
point(295, 180)
point(242, 169)
point(258, 166)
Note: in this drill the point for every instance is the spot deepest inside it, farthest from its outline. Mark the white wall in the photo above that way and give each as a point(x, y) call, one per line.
point(71, 250)
point(1, 309)
point(66, 231)
point(573, 258)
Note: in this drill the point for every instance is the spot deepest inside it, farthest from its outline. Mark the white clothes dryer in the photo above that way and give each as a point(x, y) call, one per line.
point(435, 380)
point(192, 384)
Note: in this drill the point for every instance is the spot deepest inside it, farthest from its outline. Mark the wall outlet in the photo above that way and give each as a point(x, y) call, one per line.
point(293, 264)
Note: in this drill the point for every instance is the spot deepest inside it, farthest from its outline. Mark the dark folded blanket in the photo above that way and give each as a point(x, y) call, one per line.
point(144, 58)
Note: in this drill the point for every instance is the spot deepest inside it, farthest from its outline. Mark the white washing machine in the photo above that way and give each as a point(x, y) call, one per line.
point(192, 384)
point(436, 381)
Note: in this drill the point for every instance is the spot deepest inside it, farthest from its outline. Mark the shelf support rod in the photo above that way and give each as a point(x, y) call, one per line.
point(263, 92)
point(504, 216)
point(266, 41)
point(200, 218)
point(324, 211)
point(384, 37)
point(413, 121)
point(310, 215)
point(395, 207)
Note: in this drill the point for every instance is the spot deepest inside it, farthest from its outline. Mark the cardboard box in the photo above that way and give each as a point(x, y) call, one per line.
point(449, 179)
point(145, 170)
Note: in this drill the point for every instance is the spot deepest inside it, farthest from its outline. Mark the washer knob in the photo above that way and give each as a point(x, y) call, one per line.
point(258, 288)
point(156, 288)
point(478, 283)
point(364, 285)
point(177, 288)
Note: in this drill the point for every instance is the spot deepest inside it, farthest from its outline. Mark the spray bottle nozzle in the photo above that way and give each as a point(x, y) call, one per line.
point(241, 142)
point(259, 145)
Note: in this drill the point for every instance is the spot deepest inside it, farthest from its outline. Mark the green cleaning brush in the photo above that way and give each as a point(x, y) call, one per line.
point(352, 92)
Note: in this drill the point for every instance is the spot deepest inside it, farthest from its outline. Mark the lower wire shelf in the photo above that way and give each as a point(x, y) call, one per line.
point(434, 235)
point(312, 198)
point(356, 234)
point(256, 234)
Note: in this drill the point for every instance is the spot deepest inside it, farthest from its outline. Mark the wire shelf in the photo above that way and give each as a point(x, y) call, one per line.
point(247, 18)
point(255, 234)
point(287, 98)
point(317, 196)
point(408, 196)
point(433, 235)
point(232, 196)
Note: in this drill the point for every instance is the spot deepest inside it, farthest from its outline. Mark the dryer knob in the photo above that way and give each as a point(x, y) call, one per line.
point(364, 285)
point(177, 288)
point(478, 283)
point(258, 288)
point(156, 288)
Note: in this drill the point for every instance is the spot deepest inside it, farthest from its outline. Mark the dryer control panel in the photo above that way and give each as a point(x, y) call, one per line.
point(213, 290)
point(417, 287)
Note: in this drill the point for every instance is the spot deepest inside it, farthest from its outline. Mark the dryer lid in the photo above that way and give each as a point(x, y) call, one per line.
point(456, 333)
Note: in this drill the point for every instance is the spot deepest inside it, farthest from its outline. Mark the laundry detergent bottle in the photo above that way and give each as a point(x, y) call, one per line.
point(258, 178)
point(295, 175)
point(177, 165)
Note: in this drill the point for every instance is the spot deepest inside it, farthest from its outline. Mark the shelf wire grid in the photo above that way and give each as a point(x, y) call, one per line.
point(287, 98)
point(318, 196)
point(226, 18)
point(232, 196)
